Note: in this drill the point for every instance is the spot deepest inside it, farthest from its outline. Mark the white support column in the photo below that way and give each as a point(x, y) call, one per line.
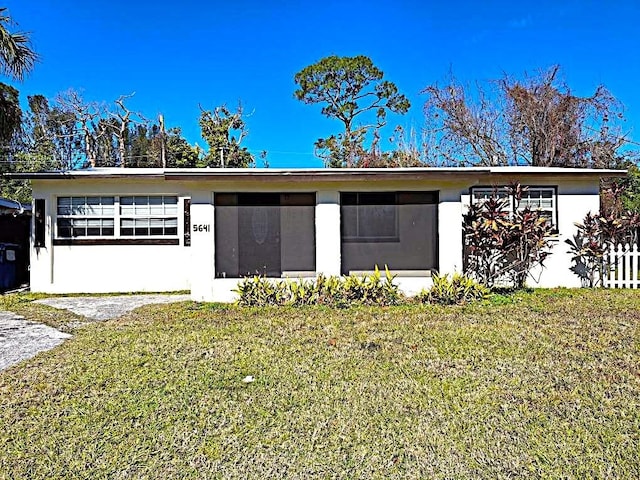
point(450, 231)
point(328, 232)
point(202, 252)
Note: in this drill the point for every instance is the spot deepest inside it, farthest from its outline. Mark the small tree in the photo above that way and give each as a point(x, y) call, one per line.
point(348, 88)
point(503, 246)
point(224, 130)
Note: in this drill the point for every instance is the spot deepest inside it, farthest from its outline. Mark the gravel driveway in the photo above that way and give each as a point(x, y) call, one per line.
point(21, 339)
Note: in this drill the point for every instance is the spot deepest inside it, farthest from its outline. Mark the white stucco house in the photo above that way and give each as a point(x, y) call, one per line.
point(124, 230)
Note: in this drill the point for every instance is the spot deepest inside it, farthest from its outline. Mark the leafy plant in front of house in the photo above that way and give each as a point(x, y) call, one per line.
point(594, 239)
point(258, 291)
point(372, 289)
point(502, 247)
point(457, 290)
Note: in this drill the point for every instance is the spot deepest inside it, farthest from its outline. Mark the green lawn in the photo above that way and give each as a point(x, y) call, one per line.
point(543, 384)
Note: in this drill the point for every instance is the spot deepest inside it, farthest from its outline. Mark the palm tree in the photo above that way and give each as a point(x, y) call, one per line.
point(16, 58)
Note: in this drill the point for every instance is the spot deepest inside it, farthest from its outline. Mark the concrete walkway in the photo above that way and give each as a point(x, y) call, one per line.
point(21, 339)
point(106, 308)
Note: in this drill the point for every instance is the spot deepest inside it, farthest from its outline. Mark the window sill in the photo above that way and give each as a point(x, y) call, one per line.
point(116, 241)
point(371, 239)
point(299, 274)
point(396, 273)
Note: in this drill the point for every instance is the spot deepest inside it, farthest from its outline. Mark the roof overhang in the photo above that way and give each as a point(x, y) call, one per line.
point(312, 174)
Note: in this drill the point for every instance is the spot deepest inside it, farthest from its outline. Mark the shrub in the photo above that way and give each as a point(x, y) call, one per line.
point(459, 290)
point(596, 235)
point(503, 246)
point(370, 289)
point(258, 291)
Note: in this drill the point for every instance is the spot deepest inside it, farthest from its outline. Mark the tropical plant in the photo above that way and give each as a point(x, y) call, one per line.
point(16, 56)
point(372, 289)
point(593, 241)
point(503, 246)
point(457, 290)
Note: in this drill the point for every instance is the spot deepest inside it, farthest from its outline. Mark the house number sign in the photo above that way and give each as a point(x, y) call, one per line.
point(201, 227)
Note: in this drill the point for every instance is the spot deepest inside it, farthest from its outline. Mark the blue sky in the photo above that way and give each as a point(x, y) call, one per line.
point(177, 55)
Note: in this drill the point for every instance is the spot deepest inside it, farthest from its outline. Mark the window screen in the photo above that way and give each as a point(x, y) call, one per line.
point(370, 216)
point(270, 234)
point(396, 229)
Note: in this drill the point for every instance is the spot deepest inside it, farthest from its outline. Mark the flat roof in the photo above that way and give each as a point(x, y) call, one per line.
point(326, 174)
point(14, 205)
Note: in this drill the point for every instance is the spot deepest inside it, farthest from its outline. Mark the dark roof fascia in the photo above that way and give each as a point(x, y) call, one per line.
point(324, 175)
point(71, 175)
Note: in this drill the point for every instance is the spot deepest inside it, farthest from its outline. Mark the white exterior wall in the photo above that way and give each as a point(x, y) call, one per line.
point(575, 200)
point(127, 268)
point(576, 197)
point(106, 268)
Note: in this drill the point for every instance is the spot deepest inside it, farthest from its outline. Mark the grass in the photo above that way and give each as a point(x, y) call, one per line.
point(536, 385)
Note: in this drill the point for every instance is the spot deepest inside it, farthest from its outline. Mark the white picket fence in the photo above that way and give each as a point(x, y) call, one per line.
point(624, 266)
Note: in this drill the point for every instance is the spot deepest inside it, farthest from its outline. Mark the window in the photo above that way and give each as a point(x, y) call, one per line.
point(85, 217)
point(149, 216)
point(369, 217)
point(482, 194)
point(543, 199)
point(536, 198)
point(39, 222)
point(112, 216)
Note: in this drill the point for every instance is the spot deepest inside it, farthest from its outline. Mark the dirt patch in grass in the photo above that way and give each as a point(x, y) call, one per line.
point(542, 384)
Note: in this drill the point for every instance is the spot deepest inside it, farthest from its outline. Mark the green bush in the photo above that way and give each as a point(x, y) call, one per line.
point(373, 289)
point(459, 290)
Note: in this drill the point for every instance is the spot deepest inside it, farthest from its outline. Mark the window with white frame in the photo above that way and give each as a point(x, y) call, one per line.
point(148, 216)
point(113, 216)
point(481, 194)
point(543, 199)
point(85, 217)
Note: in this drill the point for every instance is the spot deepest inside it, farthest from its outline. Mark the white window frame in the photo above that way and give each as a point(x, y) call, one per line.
point(479, 194)
point(170, 211)
point(81, 209)
point(146, 214)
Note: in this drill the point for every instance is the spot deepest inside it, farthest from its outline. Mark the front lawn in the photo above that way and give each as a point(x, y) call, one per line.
point(544, 384)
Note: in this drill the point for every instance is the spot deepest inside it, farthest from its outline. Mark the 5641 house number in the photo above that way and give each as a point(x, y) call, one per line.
point(201, 227)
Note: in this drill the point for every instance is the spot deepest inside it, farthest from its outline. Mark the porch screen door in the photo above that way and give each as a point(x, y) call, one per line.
point(259, 234)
